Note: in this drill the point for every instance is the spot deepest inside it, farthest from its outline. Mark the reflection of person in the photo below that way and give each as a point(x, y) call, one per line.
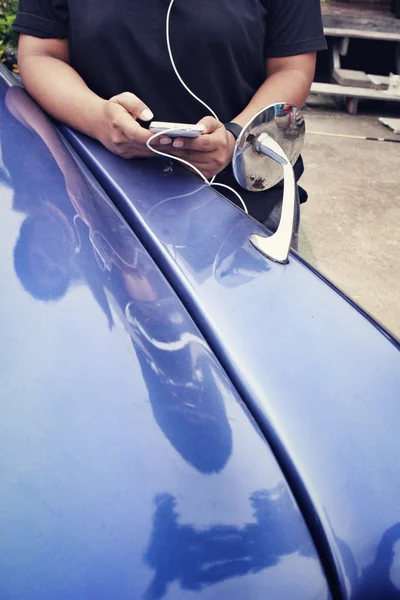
point(197, 558)
point(80, 238)
point(43, 254)
point(186, 399)
point(104, 70)
point(47, 259)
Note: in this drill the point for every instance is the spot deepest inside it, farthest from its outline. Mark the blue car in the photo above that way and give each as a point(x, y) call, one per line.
point(181, 417)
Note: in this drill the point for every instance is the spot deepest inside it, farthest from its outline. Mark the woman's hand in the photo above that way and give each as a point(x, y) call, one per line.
point(211, 152)
point(118, 129)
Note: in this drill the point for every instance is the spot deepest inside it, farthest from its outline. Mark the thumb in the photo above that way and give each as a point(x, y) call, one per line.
point(210, 123)
point(133, 105)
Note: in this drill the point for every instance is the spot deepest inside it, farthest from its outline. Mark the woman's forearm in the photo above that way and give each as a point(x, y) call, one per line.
point(289, 80)
point(61, 92)
point(280, 87)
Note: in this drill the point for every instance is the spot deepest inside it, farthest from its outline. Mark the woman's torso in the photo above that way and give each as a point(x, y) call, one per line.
point(218, 47)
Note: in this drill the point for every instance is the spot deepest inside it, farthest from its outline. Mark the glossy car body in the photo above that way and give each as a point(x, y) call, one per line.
point(181, 417)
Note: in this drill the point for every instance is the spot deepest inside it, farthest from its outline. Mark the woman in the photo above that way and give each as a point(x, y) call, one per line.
point(103, 68)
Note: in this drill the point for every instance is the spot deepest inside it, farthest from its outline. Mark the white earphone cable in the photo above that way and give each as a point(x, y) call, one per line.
point(228, 187)
point(157, 135)
point(171, 57)
point(188, 164)
point(177, 158)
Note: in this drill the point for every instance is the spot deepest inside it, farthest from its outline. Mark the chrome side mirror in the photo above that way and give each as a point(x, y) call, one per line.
point(265, 152)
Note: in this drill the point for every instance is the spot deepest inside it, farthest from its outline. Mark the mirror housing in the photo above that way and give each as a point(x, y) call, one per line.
point(265, 152)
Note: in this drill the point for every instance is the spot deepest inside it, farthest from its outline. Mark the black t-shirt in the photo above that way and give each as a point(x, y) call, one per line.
point(219, 47)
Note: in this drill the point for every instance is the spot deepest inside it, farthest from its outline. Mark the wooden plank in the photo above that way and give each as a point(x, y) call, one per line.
point(379, 82)
point(354, 9)
point(362, 34)
point(347, 77)
point(332, 89)
point(370, 21)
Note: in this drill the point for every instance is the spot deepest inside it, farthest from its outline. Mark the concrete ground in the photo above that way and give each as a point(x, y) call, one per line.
point(351, 224)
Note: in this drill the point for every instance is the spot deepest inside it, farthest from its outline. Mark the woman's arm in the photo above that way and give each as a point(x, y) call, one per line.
point(288, 79)
point(57, 87)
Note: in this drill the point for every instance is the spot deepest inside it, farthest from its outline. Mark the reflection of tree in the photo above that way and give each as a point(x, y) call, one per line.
point(377, 575)
point(200, 557)
point(375, 581)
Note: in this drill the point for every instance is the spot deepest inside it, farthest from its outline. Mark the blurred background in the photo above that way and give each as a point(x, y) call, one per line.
point(351, 224)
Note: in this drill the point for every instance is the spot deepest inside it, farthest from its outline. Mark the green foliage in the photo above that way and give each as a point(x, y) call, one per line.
point(9, 6)
point(8, 39)
point(8, 10)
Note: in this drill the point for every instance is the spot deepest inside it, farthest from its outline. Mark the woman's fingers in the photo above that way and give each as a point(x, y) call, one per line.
point(213, 157)
point(211, 124)
point(122, 134)
point(118, 128)
point(134, 106)
point(195, 157)
point(204, 143)
point(209, 141)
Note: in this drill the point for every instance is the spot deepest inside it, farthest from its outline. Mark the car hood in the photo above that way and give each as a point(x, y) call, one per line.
point(130, 467)
point(321, 378)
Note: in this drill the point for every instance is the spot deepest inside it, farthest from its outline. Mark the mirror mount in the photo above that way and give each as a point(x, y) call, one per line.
point(267, 148)
point(277, 246)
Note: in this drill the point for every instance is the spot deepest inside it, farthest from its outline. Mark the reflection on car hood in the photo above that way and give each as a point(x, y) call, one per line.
point(130, 467)
point(322, 379)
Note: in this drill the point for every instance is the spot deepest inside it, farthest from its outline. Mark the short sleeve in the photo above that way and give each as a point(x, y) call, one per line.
point(293, 27)
point(42, 18)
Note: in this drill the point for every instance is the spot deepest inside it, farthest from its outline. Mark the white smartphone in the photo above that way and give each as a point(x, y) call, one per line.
point(178, 129)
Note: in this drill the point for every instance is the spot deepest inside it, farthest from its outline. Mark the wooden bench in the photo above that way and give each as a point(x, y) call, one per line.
point(354, 86)
point(352, 94)
point(347, 32)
